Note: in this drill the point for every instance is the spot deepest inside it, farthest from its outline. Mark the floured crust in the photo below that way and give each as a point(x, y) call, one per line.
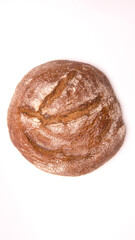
point(65, 118)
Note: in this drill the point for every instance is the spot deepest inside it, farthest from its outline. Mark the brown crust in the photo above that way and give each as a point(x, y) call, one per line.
point(65, 118)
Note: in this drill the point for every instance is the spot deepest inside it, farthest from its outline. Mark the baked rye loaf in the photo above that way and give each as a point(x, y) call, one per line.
point(65, 118)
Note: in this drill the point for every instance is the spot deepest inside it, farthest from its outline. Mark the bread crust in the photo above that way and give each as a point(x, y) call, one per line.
point(65, 118)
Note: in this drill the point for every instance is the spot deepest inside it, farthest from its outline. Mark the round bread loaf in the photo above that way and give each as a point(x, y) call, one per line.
point(65, 118)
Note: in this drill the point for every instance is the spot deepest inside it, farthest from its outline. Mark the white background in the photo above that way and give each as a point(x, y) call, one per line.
point(35, 205)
